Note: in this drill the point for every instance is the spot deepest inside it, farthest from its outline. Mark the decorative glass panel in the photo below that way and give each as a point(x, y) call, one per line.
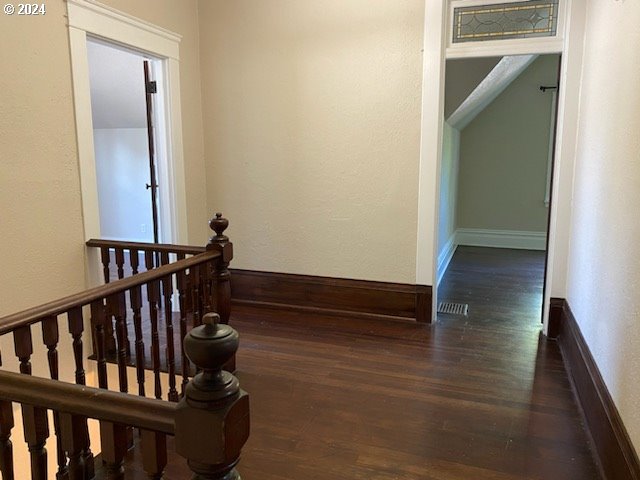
point(535, 18)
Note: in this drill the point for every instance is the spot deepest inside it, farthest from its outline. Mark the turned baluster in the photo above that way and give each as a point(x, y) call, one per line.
point(113, 437)
point(153, 296)
point(106, 260)
point(167, 291)
point(196, 297)
point(154, 453)
point(222, 277)
point(24, 348)
point(182, 301)
point(134, 260)
point(117, 308)
point(115, 443)
point(120, 262)
point(35, 420)
point(135, 296)
point(51, 337)
point(120, 265)
point(98, 320)
point(117, 305)
point(6, 447)
point(76, 328)
point(212, 420)
point(72, 431)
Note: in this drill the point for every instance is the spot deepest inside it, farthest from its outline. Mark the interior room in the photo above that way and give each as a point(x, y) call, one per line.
point(329, 173)
point(496, 173)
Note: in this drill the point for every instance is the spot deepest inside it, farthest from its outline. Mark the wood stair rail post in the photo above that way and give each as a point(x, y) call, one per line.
point(222, 278)
point(212, 420)
point(221, 288)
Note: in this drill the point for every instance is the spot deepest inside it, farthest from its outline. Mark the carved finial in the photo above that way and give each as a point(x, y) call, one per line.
point(209, 347)
point(211, 319)
point(219, 224)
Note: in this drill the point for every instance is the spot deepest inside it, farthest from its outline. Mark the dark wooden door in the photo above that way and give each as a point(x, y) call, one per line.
point(150, 89)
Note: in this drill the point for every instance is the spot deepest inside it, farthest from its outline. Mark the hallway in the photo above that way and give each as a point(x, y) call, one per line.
point(477, 397)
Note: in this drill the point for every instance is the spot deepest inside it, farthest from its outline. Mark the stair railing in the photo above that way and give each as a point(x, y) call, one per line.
point(211, 423)
point(121, 259)
point(202, 284)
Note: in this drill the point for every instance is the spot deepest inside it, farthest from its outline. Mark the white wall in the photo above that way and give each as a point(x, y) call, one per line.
point(603, 279)
point(312, 114)
point(448, 196)
point(122, 167)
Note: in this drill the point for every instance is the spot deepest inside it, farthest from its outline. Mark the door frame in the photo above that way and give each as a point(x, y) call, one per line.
point(91, 20)
point(568, 43)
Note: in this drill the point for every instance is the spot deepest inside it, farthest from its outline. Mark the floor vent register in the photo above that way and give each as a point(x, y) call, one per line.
point(453, 308)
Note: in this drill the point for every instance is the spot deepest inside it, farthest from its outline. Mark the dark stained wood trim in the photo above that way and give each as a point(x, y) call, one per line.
point(142, 247)
point(423, 303)
point(89, 402)
point(617, 456)
point(556, 306)
point(331, 295)
point(63, 305)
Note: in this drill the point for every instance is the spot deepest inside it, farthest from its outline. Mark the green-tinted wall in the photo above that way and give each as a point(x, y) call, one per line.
point(504, 154)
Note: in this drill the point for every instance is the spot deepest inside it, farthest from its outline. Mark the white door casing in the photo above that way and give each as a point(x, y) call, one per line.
point(91, 19)
point(438, 48)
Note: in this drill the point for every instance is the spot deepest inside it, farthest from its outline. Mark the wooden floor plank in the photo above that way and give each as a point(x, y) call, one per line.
point(477, 397)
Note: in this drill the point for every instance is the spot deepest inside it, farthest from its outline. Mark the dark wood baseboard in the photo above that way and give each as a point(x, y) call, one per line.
point(616, 454)
point(331, 295)
point(556, 307)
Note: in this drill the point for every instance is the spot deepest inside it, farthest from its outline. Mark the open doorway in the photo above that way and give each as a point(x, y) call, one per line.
point(127, 134)
point(496, 170)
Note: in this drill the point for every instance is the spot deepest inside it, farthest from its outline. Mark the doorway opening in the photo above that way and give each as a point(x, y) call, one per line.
point(495, 183)
point(128, 136)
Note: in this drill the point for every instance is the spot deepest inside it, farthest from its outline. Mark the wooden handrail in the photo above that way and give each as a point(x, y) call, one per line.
point(155, 247)
point(197, 283)
point(97, 403)
point(57, 307)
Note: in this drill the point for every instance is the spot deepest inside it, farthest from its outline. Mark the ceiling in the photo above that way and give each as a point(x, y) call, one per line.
point(117, 87)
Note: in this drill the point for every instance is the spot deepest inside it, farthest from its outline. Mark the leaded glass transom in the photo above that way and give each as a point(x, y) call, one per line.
point(534, 18)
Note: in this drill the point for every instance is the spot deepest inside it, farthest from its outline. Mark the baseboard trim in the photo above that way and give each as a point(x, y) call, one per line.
point(331, 295)
point(523, 240)
point(617, 456)
point(445, 256)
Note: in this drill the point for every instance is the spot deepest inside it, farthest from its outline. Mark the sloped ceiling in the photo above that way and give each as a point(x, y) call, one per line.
point(117, 87)
point(499, 78)
point(462, 77)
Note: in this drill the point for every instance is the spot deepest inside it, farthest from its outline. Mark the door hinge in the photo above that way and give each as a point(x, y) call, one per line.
point(152, 87)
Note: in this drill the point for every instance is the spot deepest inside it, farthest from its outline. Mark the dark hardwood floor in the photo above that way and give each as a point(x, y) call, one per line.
point(477, 397)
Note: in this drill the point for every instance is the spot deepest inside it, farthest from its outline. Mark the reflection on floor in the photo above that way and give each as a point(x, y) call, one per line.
point(500, 285)
point(479, 397)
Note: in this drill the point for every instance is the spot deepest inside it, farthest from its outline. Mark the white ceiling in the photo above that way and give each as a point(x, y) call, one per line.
point(117, 87)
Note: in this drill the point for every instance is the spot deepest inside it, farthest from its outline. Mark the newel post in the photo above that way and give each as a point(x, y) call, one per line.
point(221, 300)
point(212, 419)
